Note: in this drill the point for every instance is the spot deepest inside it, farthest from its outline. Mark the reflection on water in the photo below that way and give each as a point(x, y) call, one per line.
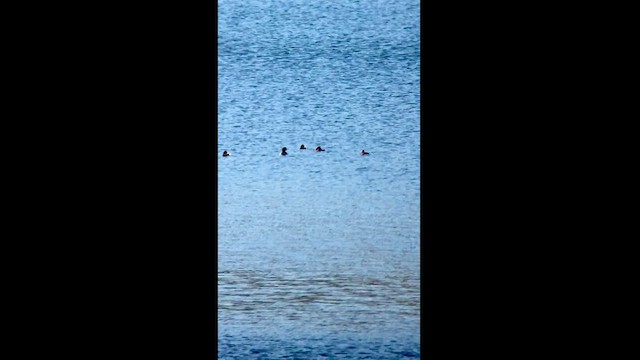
point(344, 302)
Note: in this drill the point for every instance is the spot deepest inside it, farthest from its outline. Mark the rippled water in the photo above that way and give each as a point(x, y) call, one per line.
point(319, 252)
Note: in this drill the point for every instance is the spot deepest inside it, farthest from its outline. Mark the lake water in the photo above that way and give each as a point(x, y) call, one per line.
point(319, 252)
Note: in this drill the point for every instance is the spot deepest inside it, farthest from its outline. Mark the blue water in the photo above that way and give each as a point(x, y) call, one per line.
point(319, 252)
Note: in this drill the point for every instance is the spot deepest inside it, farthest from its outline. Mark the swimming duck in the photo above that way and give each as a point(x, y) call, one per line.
point(302, 147)
point(225, 153)
point(319, 149)
point(283, 151)
point(364, 152)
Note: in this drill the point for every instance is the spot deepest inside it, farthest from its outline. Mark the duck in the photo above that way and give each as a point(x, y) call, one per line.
point(225, 153)
point(283, 151)
point(302, 147)
point(319, 149)
point(364, 152)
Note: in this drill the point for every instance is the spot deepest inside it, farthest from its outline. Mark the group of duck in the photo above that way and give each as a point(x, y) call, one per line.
point(283, 152)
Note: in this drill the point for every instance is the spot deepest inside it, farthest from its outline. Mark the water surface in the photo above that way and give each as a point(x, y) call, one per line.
point(319, 252)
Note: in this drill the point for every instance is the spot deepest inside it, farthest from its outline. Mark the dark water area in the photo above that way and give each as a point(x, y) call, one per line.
point(319, 252)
